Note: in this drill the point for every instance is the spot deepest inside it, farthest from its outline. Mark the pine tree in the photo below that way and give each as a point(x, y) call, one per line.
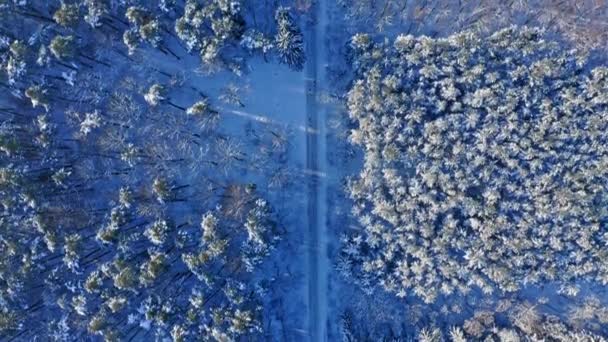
point(289, 41)
point(62, 47)
point(131, 40)
point(38, 96)
point(67, 15)
point(95, 9)
point(150, 32)
point(155, 94)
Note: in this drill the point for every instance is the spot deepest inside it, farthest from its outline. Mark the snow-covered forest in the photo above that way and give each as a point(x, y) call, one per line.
point(483, 167)
point(467, 202)
point(136, 202)
point(303, 170)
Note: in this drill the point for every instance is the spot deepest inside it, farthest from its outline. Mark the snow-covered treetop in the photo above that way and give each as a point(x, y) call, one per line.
point(484, 163)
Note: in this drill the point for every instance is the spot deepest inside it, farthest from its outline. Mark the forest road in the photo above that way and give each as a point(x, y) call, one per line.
point(315, 163)
point(312, 193)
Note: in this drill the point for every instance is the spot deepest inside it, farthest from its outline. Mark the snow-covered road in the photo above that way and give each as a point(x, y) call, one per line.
point(317, 186)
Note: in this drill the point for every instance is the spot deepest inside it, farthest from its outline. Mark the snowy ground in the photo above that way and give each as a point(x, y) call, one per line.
point(277, 99)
